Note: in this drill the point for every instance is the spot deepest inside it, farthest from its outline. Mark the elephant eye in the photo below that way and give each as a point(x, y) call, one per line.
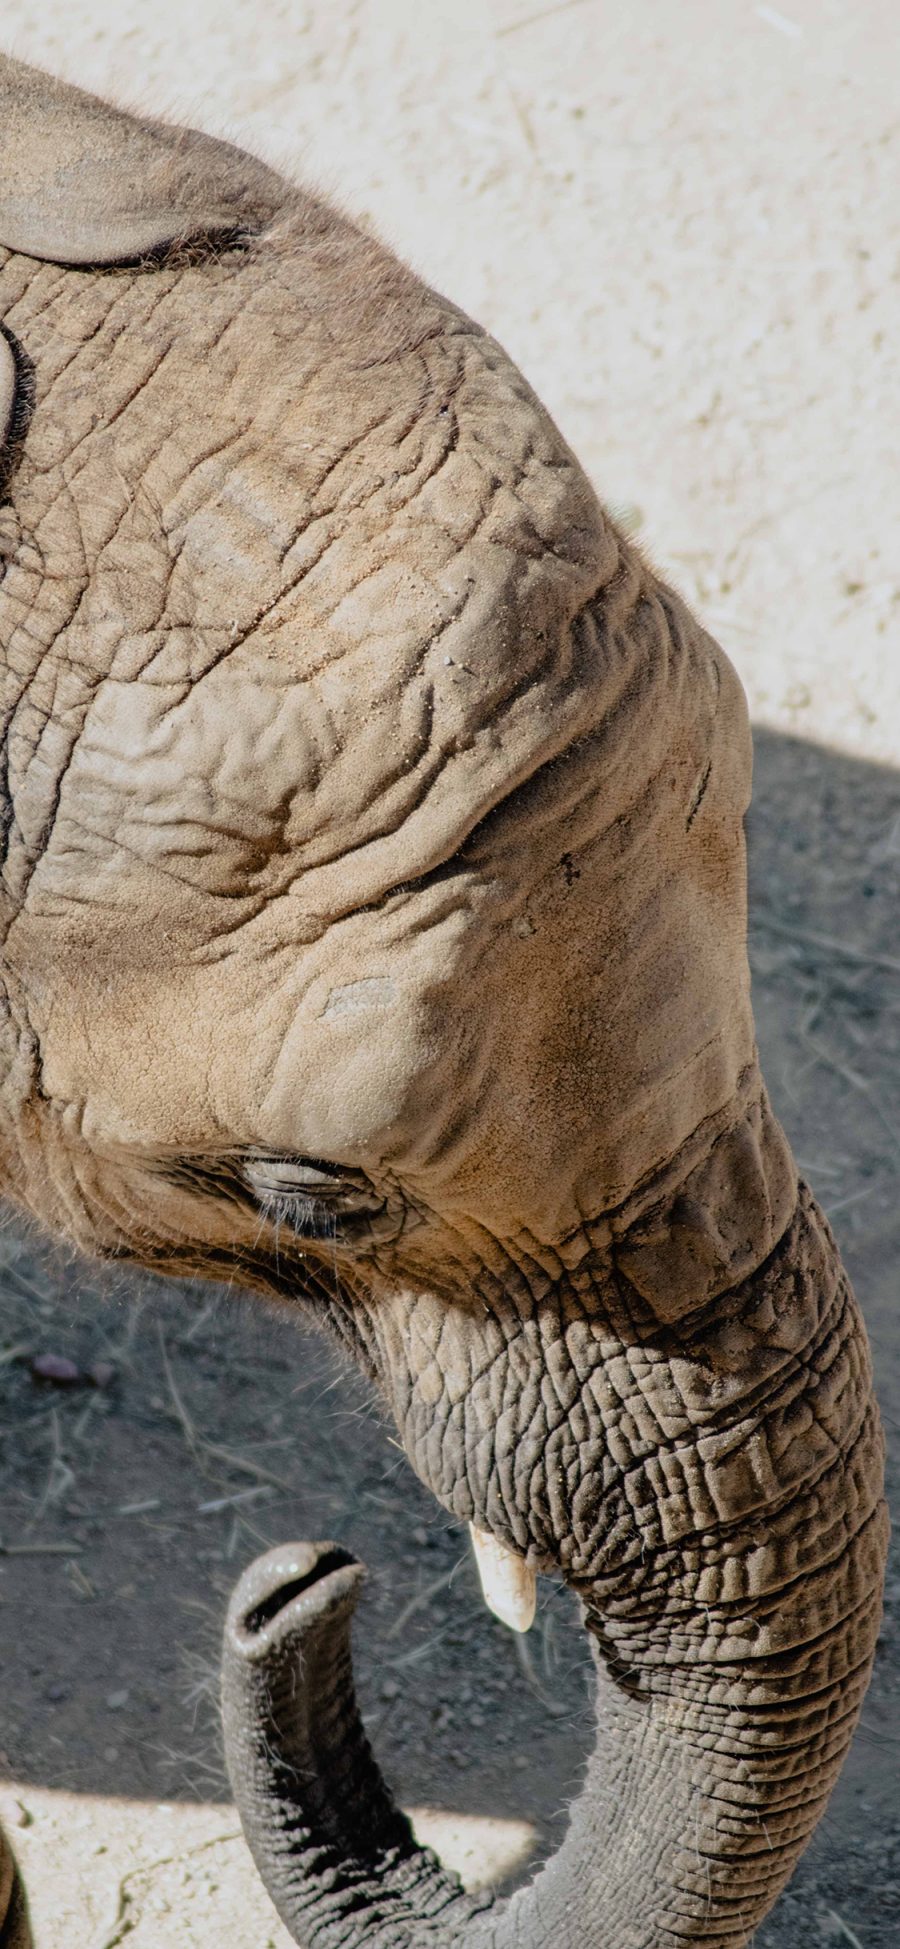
point(309, 1196)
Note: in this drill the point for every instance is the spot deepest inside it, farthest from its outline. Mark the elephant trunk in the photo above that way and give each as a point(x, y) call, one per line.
point(730, 1673)
point(337, 1856)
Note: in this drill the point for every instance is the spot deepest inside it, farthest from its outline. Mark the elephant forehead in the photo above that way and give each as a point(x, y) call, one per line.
point(254, 782)
point(322, 616)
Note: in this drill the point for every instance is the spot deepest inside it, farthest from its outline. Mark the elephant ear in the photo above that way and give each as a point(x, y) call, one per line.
point(82, 183)
point(7, 390)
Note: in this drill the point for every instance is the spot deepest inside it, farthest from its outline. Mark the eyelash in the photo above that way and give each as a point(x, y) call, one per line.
point(297, 1211)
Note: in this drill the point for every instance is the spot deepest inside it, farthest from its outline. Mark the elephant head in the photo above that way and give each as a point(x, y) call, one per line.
point(374, 932)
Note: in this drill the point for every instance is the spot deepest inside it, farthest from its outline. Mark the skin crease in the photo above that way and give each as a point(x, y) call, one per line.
point(371, 807)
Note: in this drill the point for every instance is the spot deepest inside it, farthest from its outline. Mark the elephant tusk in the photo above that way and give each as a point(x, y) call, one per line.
point(508, 1586)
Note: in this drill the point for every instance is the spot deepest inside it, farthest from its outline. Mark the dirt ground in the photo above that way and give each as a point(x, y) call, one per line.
point(678, 219)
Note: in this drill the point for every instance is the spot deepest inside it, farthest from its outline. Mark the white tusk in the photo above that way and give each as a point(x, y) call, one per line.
point(508, 1586)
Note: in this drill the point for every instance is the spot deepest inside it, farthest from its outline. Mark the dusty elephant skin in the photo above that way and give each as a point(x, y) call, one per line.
point(374, 930)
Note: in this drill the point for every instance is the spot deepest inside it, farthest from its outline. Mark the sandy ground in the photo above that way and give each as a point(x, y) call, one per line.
point(679, 217)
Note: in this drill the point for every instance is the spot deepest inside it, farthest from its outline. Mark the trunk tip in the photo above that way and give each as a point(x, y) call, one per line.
point(289, 1589)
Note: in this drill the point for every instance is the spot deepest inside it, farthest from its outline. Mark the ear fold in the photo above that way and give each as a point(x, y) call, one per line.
point(84, 183)
point(7, 392)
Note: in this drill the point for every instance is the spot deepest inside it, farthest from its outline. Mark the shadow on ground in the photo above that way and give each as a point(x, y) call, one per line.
point(128, 1510)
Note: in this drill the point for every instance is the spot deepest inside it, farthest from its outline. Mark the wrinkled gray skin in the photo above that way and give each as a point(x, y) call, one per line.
point(373, 929)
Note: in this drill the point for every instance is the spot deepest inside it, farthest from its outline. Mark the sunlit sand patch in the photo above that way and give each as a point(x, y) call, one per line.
point(482, 1850)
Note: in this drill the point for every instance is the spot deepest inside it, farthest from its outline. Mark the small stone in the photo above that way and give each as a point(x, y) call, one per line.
point(390, 1689)
point(56, 1692)
point(56, 1369)
point(116, 1700)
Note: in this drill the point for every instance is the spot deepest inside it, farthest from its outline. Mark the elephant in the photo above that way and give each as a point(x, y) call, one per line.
point(374, 935)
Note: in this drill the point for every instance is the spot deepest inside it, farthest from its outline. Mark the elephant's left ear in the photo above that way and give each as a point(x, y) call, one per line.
point(82, 183)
